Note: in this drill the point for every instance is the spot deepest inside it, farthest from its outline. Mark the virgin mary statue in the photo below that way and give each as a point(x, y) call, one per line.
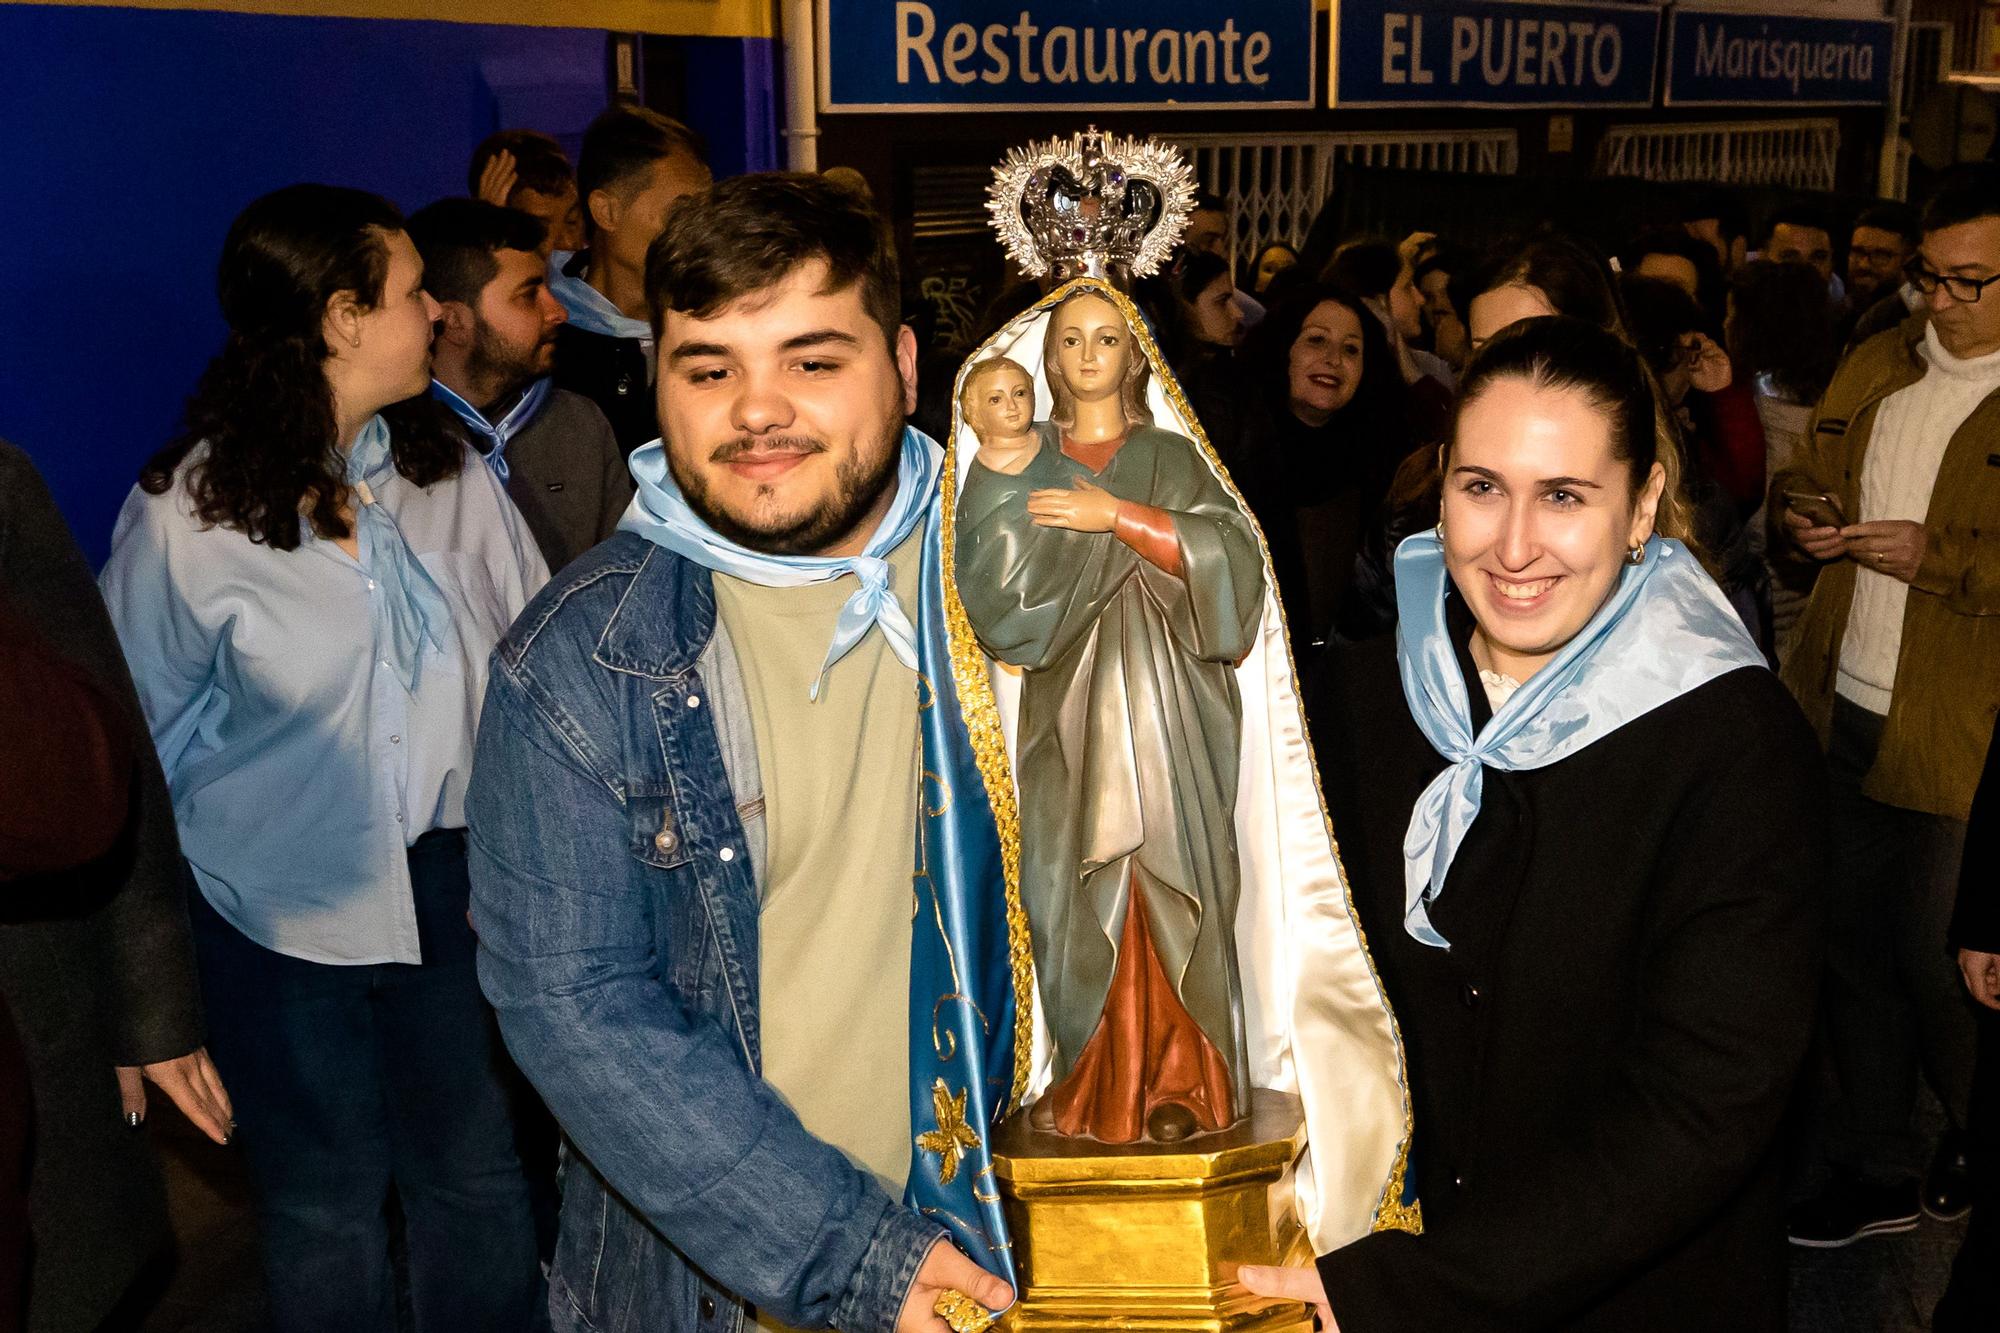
point(1116, 572)
point(1127, 678)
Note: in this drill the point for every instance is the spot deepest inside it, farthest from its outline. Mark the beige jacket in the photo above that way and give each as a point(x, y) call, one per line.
point(1948, 676)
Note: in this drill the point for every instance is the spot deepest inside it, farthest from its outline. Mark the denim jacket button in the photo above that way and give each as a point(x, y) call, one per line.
point(694, 701)
point(666, 841)
point(708, 1307)
point(727, 853)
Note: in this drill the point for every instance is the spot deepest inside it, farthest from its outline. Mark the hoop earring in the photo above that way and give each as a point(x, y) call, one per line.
point(1637, 555)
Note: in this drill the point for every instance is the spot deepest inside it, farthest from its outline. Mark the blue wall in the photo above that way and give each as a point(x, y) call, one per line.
point(130, 138)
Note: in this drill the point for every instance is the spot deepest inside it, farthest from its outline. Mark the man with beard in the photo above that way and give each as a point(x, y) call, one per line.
point(709, 753)
point(490, 365)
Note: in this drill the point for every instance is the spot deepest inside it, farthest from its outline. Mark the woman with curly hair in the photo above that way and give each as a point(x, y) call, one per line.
point(307, 588)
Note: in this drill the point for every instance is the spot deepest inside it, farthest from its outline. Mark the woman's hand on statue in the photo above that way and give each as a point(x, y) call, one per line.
point(1982, 975)
point(1088, 508)
point(1290, 1284)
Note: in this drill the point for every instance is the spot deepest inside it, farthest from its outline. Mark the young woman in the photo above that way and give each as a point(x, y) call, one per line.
point(307, 595)
point(1578, 817)
point(1311, 432)
point(1272, 260)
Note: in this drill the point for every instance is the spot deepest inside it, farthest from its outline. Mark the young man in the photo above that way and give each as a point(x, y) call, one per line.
point(1799, 235)
point(1898, 664)
point(1878, 297)
point(490, 365)
point(710, 752)
point(526, 169)
point(636, 166)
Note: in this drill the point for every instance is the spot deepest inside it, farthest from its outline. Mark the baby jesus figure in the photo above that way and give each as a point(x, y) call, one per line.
point(998, 400)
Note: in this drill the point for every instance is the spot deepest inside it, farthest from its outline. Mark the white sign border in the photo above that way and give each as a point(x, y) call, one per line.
point(1777, 12)
point(1652, 78)
point(823, 57)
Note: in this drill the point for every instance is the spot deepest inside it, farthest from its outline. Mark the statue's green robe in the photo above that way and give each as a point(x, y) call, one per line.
point(1129, 727)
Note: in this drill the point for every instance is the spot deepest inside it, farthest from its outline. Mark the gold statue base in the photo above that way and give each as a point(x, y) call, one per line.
point(1148, 1236)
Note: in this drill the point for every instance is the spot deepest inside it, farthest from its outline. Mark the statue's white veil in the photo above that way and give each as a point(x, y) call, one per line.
point(1315, 1016)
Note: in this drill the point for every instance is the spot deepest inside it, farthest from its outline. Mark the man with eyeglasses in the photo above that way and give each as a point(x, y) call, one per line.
point(1895, 497)
point(1879, 248)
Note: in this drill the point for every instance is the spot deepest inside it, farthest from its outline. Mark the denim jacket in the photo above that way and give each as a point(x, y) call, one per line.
point(616, 839)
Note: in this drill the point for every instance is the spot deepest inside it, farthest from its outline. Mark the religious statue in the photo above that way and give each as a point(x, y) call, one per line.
point(1100, 555)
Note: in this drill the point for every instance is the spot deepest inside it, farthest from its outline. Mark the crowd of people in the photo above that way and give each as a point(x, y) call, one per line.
point(422, 786)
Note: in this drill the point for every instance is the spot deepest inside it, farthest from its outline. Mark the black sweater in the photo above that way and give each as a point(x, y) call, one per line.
point(1600, 1062)
point(96, 964)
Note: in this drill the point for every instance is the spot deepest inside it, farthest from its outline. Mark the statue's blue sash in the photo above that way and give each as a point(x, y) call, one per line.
point(968, 954)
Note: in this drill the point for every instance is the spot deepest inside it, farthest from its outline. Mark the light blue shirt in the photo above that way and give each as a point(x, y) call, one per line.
point(302, 767)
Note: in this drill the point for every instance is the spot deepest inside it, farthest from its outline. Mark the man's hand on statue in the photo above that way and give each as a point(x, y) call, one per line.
point(1088, 508)
point(1290, 1284)
point(946, 1269)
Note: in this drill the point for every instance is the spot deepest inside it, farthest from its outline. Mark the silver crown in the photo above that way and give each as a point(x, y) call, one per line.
point(1093, 205)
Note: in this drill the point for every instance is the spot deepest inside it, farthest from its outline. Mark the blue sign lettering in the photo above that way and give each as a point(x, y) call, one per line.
point(999, 55)
point(1728, 58)
point(1495, 53)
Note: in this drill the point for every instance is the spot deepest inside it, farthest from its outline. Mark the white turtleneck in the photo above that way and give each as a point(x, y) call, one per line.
point(1912, 430)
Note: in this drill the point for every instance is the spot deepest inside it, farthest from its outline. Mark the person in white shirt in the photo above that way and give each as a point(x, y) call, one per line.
point(307, 590)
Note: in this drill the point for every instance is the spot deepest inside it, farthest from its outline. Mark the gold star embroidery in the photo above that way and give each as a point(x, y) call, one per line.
point(952, 1136)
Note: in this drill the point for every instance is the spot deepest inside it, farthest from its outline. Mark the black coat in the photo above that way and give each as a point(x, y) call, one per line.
point(96, 966)
point(612, 372)
point(1599, 1064)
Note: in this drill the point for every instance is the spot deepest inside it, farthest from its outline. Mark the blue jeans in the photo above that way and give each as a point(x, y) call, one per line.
point(348, 1080)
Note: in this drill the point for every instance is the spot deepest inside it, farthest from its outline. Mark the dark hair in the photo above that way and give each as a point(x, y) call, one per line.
point(1257, 259)
point(1380, 400)
point(1569, 275)
point(1732, 218)
point(1658, 313)
point(623, 143)
point(1558, 353)
point(1367, 268)
point(1196, 273)
point(263, 407)
point(1208, 201)
point(460, 239)
point(1797, 215)
point(1442, 257)
point(1965, 195)
point(747, 233)
point(1675, 241)
point(1900, 219)
point(539, 162)
point(1781, 326)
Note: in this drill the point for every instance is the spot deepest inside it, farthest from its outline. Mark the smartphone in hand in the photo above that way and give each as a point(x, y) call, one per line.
point(1823, 510)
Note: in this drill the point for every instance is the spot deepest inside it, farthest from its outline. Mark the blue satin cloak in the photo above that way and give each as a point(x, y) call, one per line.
point(962, 997)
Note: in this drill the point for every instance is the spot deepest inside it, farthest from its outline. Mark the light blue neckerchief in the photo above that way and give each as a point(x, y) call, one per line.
point(661, 515)
point(590, 309)
point(405, 604)
point(1665, 629)
point(497, 433)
